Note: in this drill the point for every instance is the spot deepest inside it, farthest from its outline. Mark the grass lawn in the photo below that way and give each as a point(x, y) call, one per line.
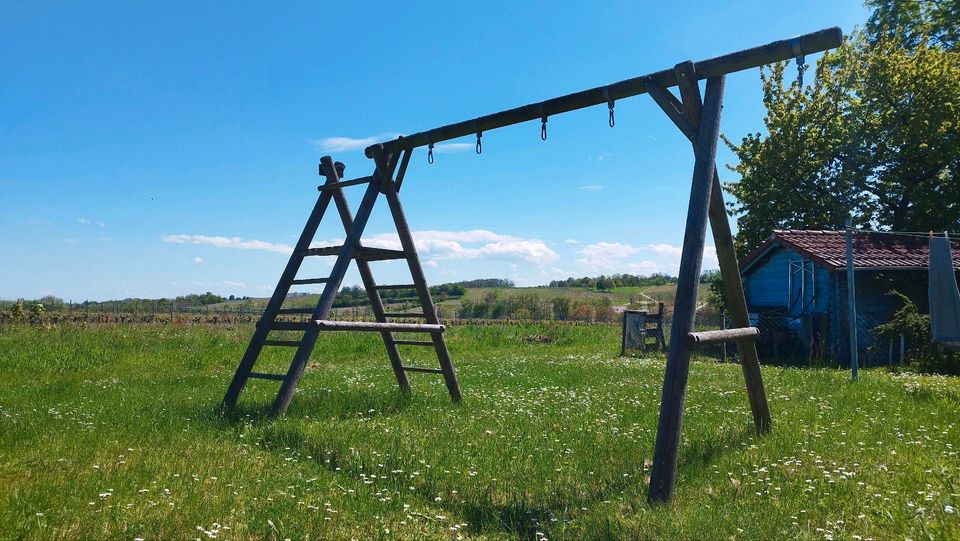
point(114, 432)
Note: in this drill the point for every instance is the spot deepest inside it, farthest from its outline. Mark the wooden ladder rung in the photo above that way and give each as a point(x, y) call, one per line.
point(420, 369)
point(289, 343)
point(413, 343)
point(362, 253)
point(261, 375)
point(706, 338)
point(343, 184)
point(311, 281)
point(289, 326)
point(373, 326)
point(404, 314)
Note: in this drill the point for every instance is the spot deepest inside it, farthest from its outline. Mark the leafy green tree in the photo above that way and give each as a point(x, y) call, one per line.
point(18, 312)
point(876, 135)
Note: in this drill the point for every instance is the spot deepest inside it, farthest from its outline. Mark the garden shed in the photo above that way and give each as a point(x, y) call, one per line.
point(796, 289)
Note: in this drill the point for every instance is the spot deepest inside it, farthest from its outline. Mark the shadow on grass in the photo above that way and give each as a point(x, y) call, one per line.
point(699, 454)
point(515, 517)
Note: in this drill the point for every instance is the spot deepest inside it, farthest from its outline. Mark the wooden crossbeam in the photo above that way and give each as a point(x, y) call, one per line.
point(777, 51)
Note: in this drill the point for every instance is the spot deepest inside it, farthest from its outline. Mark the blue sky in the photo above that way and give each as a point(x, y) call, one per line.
point(157, 149)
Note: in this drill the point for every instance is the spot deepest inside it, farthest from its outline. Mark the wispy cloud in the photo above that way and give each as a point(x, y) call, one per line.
point(666, 249)
point(346, 144)
point(231, 283)
point(198, 260)
point(571, 241)
point(85, 221)
point(590, 188)
point(473, 244)
point(431, 245)
point(229, 242)
point(450, 148)
point(614, 257)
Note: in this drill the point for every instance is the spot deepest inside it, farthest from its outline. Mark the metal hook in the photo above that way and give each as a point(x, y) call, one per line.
point(543, 124)
point(610, 105)
point(479, 144)
point(430, 153)
point(801, 60)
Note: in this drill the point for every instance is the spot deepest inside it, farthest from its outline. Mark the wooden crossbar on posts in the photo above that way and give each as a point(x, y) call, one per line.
point(777, 51)
point(698, 121)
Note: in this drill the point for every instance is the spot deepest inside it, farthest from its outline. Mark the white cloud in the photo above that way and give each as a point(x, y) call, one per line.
point(83, 220)
point(571, 241)
point(346, 144)
point(591, 188)
point(102, 224)
point(198, 260)
point(450, 148)
point(431, 263)
point(473, 244)
point(605, 256)
point(230, 283)
point(666, 249)
point(431, 245)
point(229, 242)
point(615, 257)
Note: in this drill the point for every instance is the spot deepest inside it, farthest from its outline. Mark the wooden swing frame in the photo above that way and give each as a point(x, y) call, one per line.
point(699, 121)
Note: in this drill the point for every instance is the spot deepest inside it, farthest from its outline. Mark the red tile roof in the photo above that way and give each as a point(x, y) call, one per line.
point(871, 250)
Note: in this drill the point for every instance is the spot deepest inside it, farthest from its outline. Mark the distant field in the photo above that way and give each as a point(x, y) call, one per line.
point(620, 296)
point(113, 432)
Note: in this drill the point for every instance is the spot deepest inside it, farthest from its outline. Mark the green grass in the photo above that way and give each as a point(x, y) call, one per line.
point(114, 432)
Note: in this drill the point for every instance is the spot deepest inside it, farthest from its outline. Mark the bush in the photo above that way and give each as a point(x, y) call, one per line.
point(923, 354)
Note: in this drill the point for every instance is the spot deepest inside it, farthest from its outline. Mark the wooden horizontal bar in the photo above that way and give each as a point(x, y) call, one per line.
point(748, 58)
point(412, 343)
point(343, 184)
point(261, 375)
point(404, 314)
point(310, 281)
point(396, 286)
point(289, 343)
point(419, 369)
point(288, 326)
point(372, 326)
point(363, 253)
point(706, 338)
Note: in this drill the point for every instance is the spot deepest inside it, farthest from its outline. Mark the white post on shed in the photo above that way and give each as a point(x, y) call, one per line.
point(851, 305)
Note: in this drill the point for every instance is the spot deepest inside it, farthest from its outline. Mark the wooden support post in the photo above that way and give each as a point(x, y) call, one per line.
point(366, 276)
point(419, 279)
point(664, 470)
point(276, 301)
point(727, 258)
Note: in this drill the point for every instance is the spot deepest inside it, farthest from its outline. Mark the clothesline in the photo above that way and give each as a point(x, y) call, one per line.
point(922, 234)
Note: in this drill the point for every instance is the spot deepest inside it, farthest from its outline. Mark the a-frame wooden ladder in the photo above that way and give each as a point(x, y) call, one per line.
point(381, 182)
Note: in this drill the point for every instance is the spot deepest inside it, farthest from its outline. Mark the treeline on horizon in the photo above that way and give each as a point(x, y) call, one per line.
point(346, 297)
point(608, 283)
point(357, 296)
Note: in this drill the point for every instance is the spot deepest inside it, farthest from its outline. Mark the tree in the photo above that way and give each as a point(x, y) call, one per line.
point(916, 21)
point(876, 135)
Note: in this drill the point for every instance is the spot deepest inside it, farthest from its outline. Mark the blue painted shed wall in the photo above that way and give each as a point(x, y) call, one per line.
point(766, 287)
